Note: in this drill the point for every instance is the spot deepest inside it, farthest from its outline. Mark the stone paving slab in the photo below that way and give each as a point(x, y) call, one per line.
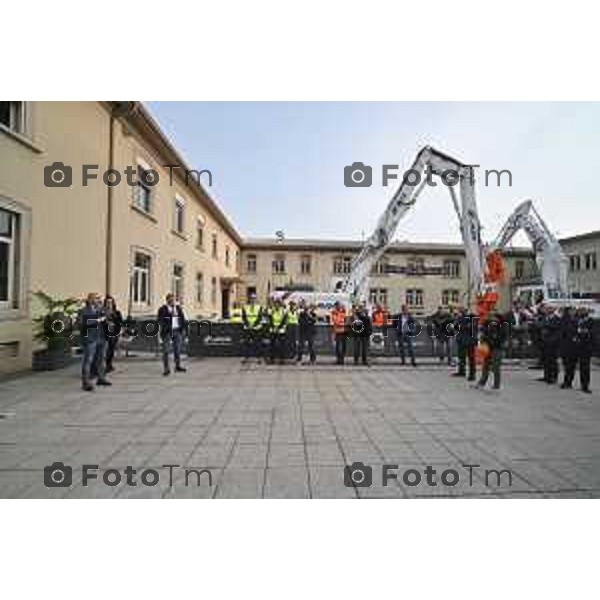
point(288, 431)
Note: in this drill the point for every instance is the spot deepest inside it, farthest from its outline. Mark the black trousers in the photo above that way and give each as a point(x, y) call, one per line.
point(340, 348)
point(278, 346)
point(585, 363)
point(570, 363)
point(466, 356)
point(361, 348)
point(307, 340)
point(252, 343)
point(550, 363)
point(111, 345)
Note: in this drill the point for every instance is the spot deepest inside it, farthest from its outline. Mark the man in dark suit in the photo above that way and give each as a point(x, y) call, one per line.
point(406, 328)
point(362, 328)
point(466, 342)
point(551, 338)
point(172, 326)
point(585, 345)
point(93, 341)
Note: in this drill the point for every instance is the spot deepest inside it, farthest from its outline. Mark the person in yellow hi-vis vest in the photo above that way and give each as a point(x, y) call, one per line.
point(278, 331)
point(235, 316)
point(292, 329)
point(252, 314)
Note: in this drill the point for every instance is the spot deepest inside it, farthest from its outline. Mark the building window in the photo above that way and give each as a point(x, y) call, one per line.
point(451, 269)
point(450, 297)
point(199, 288)
point(575, 262)
point(143, 192)
point(519, 269)
point(226, 256)
point(8, 259)
point(590, 261)
point(251, 263)
point(278, 264)
point(415, 266)
point(215, 248)
point(213, 291)
point(12, 115)
point(305, 264)
point(380, 267)
point(414, 297)
point(177, 282)
point(378, 296)
point(179, 216)
point(250, 291)
point(342, 265)
point(142, 264)
point(199, 235)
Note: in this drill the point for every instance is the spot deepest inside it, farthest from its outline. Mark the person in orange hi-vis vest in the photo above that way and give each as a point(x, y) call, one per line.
point(338, 322)
point(378, 316)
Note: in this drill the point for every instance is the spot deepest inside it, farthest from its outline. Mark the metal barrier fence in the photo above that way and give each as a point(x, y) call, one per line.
point(225, 339)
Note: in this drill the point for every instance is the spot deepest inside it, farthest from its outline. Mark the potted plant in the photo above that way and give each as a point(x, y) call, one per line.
point(55, 327)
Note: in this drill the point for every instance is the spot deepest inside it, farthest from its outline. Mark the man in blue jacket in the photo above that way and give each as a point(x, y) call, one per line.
point(93, 341)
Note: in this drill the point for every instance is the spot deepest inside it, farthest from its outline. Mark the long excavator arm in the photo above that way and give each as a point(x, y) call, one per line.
point(405, 197)
point(551, 260)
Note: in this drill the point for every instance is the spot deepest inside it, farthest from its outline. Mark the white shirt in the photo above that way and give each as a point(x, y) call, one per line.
point(174, 317)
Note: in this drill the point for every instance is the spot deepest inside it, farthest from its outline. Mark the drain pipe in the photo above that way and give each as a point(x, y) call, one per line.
point(117, 110)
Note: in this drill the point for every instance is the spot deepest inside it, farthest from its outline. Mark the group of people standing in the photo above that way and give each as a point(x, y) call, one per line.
point(101, 325)
point(566, 334)
point(290, 331)
point(276, 332)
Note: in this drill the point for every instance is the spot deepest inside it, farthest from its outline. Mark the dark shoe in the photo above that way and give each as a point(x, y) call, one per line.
point(403, 362)
point(586, 390)
point(87, 386)
point(104, 382)
point(458, 375)
point(414, 364)
point(471, 379)
point(109, 368)
point(566, 386)
point(180, 369)
point(166, 372)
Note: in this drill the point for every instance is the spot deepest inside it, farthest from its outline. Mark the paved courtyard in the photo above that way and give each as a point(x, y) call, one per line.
point(287, 432)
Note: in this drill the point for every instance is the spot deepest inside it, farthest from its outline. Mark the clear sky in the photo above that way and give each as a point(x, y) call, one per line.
point(280, 165)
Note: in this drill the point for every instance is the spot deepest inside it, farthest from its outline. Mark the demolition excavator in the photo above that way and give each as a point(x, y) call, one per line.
point(553, 265)
point(487, 269)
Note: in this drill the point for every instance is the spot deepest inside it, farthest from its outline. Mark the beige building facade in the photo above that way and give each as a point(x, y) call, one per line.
point(136, 242)
point(423, 276)
point(583, 252)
